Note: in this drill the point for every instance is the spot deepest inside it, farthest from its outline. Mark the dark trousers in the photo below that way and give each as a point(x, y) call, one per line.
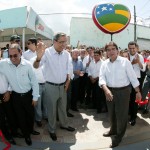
point(82, 88)
point(7, 118)
point(133, 106)
point(75, 93)
point(69, 96)
point(118, 111)
point(98, 97)
point(88, 89)
point(25, 111)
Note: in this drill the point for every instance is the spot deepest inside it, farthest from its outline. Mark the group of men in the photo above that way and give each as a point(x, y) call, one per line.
point(52, 72)
point(23, 87)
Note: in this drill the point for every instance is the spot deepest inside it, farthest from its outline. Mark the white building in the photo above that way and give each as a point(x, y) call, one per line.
point(84, 31)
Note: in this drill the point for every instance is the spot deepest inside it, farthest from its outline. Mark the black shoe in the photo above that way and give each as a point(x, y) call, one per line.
point(39, 123)
point(35, 132)
point(69, 114)
point(108, 133)
point(68, 128)
point(28, 141)
point(114, 144)
point(132, 122)
point(53, 136)
point(18, 135)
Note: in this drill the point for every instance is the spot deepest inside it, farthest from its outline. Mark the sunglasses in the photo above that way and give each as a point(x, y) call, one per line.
point(15, 56)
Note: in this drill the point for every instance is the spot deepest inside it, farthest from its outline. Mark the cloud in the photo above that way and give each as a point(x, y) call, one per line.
point(58, 22)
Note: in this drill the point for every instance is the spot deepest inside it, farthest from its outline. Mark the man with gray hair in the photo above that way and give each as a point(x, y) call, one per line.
point(57, 68)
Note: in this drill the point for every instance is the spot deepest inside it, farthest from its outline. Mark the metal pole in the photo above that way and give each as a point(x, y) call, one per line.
point(23, 40)
point(111, 37)
point(135, 39)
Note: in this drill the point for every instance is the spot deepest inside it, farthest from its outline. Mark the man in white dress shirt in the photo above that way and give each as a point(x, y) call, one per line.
point(31, 52)
point(98, 97)
point(137, 62)
point(116, 74)
point(57, 69)
point(40, 108)
point(86, 62)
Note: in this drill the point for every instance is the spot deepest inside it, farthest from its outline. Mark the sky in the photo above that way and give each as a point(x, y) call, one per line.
point(61, 22)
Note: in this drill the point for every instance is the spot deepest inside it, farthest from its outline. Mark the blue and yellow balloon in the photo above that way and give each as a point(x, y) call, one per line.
point(111, 18)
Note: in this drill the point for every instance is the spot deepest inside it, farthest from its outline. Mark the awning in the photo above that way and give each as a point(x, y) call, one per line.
point(22, 21)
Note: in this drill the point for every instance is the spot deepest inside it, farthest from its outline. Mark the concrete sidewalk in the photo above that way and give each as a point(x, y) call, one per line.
point(88, 135)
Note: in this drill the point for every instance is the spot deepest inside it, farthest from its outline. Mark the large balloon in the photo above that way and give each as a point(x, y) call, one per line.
point(111, 18)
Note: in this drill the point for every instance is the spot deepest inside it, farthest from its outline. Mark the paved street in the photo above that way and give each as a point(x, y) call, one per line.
point(88, 135)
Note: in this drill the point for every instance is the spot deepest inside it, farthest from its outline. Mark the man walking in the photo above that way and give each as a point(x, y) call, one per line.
point(116, 74)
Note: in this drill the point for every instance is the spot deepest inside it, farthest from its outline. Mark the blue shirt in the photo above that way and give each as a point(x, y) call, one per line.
point(77, 65)
point(21, 78)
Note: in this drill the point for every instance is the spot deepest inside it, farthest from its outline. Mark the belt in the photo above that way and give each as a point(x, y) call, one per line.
point(41, 83)
point(21, 94)
point(55, 84)
point(118, 88)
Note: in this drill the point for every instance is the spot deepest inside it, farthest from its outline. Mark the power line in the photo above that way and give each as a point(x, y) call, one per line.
point(144, 6)
point(67, 14)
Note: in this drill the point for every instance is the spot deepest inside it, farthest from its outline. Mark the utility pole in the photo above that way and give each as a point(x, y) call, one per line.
point(135, 24)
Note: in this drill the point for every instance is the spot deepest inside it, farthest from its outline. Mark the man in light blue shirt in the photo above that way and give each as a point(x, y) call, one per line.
point(78, 71)
point(25, 89)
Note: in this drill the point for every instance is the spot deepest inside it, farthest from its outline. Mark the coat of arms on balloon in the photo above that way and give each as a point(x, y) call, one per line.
point(111, 18)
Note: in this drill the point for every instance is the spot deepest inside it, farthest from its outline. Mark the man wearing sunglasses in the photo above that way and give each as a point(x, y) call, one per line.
point(25, 89)
point(31, 52)
point(30, 55)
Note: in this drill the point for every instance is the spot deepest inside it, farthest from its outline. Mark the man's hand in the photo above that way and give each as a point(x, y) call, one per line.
point(92, 80)
point(67, 85)
point(6, 96)
point(136, 60)
point(77, 72)
point(108, 94)
point(40, 50)
point(34, 103)
point(138, 96)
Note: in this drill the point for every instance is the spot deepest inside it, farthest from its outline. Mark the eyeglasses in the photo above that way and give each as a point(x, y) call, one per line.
point(15, 56)
point(62, 42)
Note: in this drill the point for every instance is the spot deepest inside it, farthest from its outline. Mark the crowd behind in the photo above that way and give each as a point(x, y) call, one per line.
point(46, 83)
